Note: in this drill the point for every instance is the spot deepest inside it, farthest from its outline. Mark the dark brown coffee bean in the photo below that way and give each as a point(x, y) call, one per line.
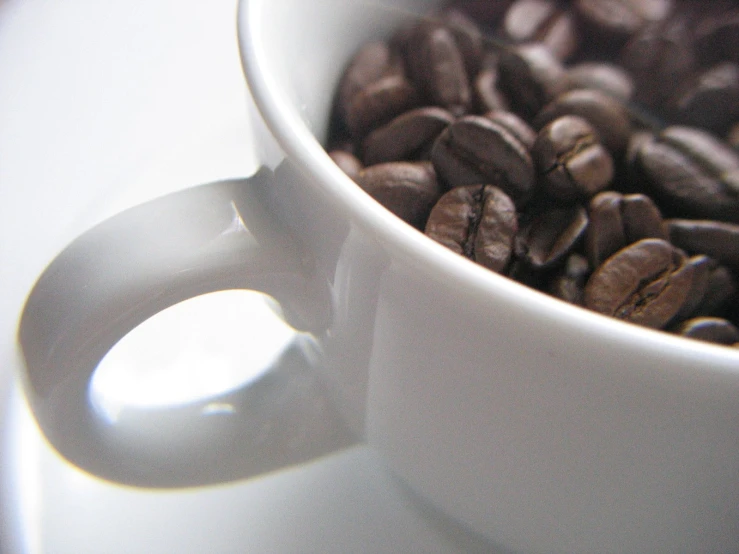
point(476, 150)
point(347, 162)
point(371, 63)
point(603, 76)
point(569, 283)
point(406, 136)
point(714, 238)
point(702, 268)
point(486, 92)
point(605, 235)
point(709, 329)
point(550, 236)
point(530, 77)
point(641, 218)
point(476, 221)
point(717, 36)
point(710, 100)
point(574, 165)
point(468, 36)
point(645, 283)
point(609, 116)
point(438, 67)
point(659, 53)
point(517, 126)
point(409, 190)
point(378, 103)
point(542, 21)
point(614, 21)
point(617, 220)
point(485, 12)
point(721, 289)
point(692, 172)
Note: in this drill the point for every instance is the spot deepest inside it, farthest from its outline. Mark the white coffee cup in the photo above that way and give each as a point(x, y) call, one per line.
point(542, 426)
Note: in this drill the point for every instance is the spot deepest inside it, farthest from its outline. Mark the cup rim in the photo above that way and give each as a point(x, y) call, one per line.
point(301, 145)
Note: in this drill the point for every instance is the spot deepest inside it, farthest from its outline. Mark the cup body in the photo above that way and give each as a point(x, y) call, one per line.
point(538, 424)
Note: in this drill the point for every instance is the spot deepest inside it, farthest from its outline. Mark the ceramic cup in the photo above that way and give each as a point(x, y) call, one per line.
point(539, 425)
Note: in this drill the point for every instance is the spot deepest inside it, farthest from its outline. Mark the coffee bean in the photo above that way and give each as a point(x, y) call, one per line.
point(714, 238)
point(613, 21)
point(692, 172)
point(709, 329)
point(710, 100)
point(717, 36)
point(646, 283)
point(348, 162)
point(605, 235)
point(409, 190)
point(475, 150)
point(542, 21)
point(517, 126)
point(574, 165)
point(603, 76)
point(721, 289)
point(468, 37)
point(378, 103)
point(438, 67)
point(659, 53)
point(609, 116)
point(569, 283)
point(530, 77)
point(550, 236)
point(371, 63)
point(476, 221)
point(702, 268)
point(407, 136)
point(486, 92)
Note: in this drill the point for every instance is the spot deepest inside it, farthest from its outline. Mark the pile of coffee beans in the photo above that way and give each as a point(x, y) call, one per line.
point(586, 148)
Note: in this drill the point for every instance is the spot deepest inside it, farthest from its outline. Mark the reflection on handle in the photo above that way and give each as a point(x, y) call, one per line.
point(128, 268)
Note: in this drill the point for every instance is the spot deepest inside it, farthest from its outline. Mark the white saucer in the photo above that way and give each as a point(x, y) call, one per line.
point(104, 105)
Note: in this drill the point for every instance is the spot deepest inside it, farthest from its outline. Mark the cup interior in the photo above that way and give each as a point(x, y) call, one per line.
point(294, 53)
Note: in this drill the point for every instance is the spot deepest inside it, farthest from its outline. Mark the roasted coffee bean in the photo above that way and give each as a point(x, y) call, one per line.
point(710, 100)
point(378, 103)
point(517, 126)
point(714, 238)
point(692, 173)
point(371, 63)
point(721, 289)
point(476, 221)
point(605, 235)
point(550, 236)
point(438, 67)
point(542, 21)
point(659, 53)
point(717, 36)
point(475, 150)
point(347, 162)
point(530, 77)
point(702, 267)
point(709, 329)
point(609, 116)
point(407, 136)
point(569, 283)
point(574, 165)
point(603, 76)
point(613, 21)
point(486, 92)
point(645, 283)
point(617, 220)
point(468, 37)
point(409, 190)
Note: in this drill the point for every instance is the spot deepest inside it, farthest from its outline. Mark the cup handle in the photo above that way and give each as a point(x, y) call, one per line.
point(212, 237)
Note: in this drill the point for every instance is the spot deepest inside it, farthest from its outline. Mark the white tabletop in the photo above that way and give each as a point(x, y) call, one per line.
point(104, 105)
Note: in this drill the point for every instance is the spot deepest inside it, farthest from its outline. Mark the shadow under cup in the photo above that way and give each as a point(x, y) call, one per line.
point(543, 426)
